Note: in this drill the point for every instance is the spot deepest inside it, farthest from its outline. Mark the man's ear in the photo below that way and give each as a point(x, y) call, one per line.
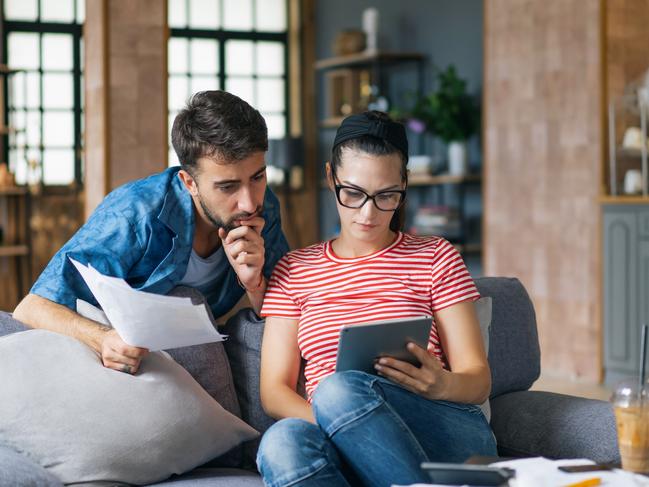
point(189, 182)
point(330, 176)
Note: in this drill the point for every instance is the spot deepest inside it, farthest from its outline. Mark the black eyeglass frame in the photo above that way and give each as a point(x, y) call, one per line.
point(339, 187)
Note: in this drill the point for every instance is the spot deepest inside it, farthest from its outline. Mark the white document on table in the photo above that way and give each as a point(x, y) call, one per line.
point(542, 472)
point(149, 320)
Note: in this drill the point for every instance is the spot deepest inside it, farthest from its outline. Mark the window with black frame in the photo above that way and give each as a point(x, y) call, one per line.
point(42, 39)
point(240, 46)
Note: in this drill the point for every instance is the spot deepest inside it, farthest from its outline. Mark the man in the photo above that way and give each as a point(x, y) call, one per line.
point(210, 224)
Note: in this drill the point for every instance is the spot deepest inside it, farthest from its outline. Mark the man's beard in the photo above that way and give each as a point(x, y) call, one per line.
point(226, 225)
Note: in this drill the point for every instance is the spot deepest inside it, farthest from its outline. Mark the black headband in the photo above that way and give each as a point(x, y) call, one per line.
point(356, 126)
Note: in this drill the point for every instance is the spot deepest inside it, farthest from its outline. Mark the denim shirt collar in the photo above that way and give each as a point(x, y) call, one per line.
point(177, 213)
point(177, 210)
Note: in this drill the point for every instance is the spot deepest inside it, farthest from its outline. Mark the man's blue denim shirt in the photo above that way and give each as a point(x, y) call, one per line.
point(143, 233)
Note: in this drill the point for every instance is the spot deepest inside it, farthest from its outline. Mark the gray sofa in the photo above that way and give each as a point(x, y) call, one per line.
point(526, 423)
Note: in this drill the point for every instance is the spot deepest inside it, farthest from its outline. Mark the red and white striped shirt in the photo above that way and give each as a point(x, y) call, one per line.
point(414, 276)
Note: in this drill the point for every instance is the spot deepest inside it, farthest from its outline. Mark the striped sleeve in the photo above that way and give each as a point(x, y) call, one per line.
point(278, 300)
point(452, 282)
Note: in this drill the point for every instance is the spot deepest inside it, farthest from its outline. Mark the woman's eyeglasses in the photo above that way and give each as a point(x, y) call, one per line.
point(352, 197)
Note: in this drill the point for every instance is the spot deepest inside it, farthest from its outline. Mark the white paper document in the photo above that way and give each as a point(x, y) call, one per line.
point(149, 320)
point(542, 472)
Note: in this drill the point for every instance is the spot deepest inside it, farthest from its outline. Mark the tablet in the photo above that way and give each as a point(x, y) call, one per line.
point(360, 345)
point(463, 474)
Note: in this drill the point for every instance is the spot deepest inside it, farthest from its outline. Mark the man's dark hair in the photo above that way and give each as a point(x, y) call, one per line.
point(217, 124)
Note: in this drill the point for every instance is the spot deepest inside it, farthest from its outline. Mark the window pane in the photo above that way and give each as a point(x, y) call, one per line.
point(270, 58)
point(58, 91)
point(33, 90)
point(24, 50)
point(203, 83)
point(57, 51)
point(57, 10)
point(271, 15)
point(58, 129)
point(270, 95)
point(276, 126)
point(178, 92)
point(18, 165)
point(58, 166)
point(18, 119)
point(16, 87)
point(204, 14)
point(177, 13)
point(81, 11)
point(177, 55)
point(33, 129)
point(20, 9)
point(172, 159)
point(238, 57)
point(242, 87)
point(237, 14)
point(204, 56)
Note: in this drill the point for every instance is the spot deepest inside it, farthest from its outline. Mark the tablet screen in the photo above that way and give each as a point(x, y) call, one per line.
point(360, 345)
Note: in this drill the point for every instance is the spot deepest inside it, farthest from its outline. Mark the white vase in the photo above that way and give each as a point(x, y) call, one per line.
point(457, 158)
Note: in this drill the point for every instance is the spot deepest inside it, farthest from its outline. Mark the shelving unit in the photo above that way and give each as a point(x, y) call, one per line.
point(15, 203)
point(359, 74)
point(436, 185)
point(16, 235)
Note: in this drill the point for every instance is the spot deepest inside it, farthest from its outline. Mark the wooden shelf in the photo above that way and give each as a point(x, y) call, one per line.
point(364, 59)
point(627, 152)
point(4, 130)
point(624, 200)
point(13, 250)
point(13, 191)
point(430, 180)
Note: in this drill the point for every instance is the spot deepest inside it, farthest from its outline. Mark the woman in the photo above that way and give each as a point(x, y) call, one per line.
point(356, 428)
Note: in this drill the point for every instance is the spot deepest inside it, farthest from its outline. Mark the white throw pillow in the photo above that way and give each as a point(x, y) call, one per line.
point(86, 423)
point(483, 310)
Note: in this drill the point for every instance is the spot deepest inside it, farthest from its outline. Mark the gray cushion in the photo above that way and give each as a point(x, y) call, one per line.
point(483, 312)
point(533, 423)
point(72, 415)
point(208, 477)
point(514, 355)
point(207, 363)
point(18, 469)
point(8, 325)
point(243, 346)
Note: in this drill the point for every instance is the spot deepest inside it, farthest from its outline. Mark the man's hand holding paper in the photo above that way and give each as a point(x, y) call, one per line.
point(144, 320)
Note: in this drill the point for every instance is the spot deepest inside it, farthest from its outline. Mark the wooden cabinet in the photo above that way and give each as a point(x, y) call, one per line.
point(626, 287)
point(15, 244)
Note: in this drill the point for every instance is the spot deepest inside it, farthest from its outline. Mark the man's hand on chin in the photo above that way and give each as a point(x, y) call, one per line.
point(244, 248)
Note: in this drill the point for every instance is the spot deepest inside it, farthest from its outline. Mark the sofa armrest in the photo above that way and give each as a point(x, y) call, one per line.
point(536, 423)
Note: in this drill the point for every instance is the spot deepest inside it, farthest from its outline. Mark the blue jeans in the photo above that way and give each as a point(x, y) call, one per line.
point(370, 432)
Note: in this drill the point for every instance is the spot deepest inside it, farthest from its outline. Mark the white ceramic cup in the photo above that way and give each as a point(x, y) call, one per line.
point(633, 181)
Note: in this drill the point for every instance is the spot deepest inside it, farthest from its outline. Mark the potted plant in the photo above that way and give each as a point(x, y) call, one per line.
point(451, 114)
